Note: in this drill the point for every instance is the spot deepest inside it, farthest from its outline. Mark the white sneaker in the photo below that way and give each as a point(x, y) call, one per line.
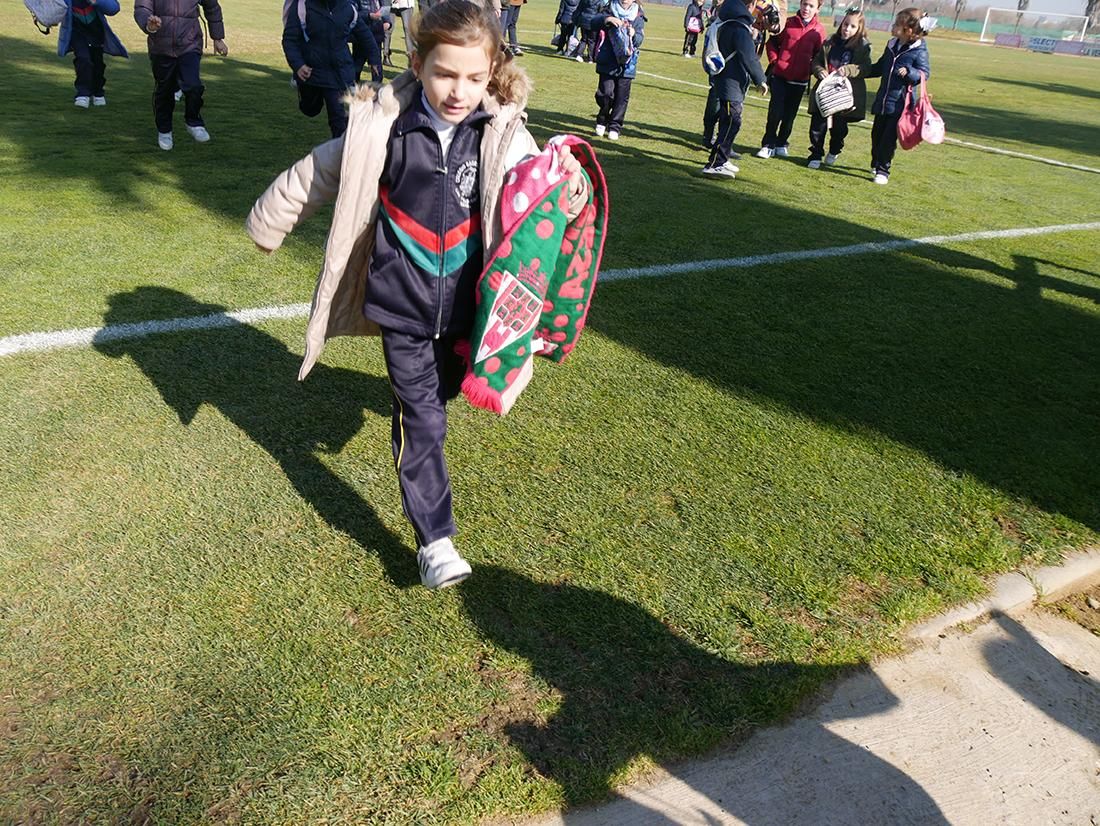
point(164, 140)
point(199, 133)
point(780, 151)
point(881, 179)
point(830, 159)
point(765, 152)
point(736, 156)
point(726, 170)
point(440, 564)
point(613, 135)
point(83, 101)
point(579, 59)
point(814, 164)
point(99, 100)
point(686, 54)
point(601, 130)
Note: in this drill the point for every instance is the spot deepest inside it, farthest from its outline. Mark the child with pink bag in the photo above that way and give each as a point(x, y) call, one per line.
point(903, 64)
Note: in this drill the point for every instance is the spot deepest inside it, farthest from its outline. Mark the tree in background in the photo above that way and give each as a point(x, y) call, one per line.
point(960, 5)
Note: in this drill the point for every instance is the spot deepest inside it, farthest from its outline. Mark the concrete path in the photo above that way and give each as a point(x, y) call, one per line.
point(1000, 725)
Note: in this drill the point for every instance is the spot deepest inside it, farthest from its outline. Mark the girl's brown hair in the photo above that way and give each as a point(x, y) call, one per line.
point(465, 23)
point(910, 19)
point(861, 32)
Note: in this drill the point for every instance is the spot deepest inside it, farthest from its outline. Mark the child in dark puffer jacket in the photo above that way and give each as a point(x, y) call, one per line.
point(902, 64)
point(623, 24)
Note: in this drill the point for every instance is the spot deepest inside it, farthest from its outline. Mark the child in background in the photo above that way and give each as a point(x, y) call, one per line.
point(567, 14)
point(728, 87)
point(86, 34)
point(623, 24)
point(380, 22)
point(790, 55)
point(175, 53)
point(426, 154)
point(509, 19)
point(902, 63)
point(693, 25)
point(586, 38)
point(847, 53)
point(316, 50)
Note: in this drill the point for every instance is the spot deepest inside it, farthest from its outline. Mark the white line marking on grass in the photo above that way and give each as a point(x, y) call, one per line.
point(833, 252)
point(957, 142)
point(41, 342)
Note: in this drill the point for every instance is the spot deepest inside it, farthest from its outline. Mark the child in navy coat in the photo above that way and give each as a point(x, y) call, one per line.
point(623, 25)
point(86, 33)
point(902, 64)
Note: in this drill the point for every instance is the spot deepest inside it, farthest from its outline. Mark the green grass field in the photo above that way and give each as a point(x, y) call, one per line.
point(743, 483)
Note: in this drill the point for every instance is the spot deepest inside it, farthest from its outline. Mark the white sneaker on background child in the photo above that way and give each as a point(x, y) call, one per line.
point(881, 179)
point(164, 140)
point(601, 130)
point(440, 565)
point(99, 100)
point(199, 133)
point(613, 135)
point(780, 151)
point(765, 152)
point(814, 163)
point(830, 159)
point(82, 101)
point(726, 170)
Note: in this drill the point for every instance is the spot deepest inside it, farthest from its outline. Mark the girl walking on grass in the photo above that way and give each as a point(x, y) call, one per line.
point(846, 53)
point(423, 158)
point(903, 62)
point(623, 25)
point(86, 34)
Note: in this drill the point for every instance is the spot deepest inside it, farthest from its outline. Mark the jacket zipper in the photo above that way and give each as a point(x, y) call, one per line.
point(442, 238)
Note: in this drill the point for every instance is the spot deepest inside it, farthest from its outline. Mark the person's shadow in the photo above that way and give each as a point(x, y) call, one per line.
point(251, 379)
point(630, 686)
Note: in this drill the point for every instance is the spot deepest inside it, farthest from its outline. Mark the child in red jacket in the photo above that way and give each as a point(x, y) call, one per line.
point(790, 56)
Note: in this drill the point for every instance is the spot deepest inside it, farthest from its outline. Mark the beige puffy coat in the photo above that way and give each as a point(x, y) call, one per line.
point(348, 170)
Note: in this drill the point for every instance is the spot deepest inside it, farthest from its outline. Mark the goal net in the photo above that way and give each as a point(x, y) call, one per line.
point(1033, 24)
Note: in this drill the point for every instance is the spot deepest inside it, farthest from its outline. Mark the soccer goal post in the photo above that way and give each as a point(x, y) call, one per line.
point(1033, 24)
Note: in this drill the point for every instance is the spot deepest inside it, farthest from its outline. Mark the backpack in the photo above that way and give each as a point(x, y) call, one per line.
point(47, 13)
point(834, 96)
point(695, 24)
point(713, 59)
point(288, 4)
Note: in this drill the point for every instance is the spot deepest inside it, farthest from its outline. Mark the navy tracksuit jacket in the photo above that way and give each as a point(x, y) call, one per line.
point(428, 254)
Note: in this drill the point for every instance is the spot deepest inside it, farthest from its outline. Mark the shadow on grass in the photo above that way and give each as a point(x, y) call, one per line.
point(999, 380)
point(1014, 125)
point(250, 109)
point(1045, 88)
point(630, 686)
point(250, 378)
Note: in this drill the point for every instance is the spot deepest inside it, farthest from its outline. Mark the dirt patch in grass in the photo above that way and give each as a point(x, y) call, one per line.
point(1083, 608)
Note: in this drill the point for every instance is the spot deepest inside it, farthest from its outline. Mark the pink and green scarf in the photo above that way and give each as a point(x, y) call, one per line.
point(534, 293)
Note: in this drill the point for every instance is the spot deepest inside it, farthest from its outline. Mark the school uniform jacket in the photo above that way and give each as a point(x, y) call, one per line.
point(349, 170)
point(853, 63)
point(329, 25)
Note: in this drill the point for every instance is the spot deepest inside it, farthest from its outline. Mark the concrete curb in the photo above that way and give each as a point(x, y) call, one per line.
point(1019, 590)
